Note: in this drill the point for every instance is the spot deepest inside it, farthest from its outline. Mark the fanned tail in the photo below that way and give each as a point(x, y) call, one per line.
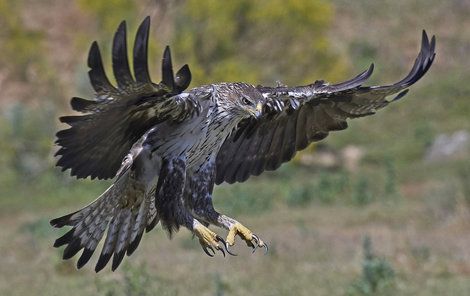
point(124, 216)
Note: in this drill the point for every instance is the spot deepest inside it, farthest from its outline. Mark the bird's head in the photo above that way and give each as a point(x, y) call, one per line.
point(243, 100)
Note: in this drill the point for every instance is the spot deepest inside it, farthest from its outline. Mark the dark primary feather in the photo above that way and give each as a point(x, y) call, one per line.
point(98, 79)
point(141, 71)
point(121, 69)
point(183, 78)
point(167, 69)
point(297, 116)
point(97, 141)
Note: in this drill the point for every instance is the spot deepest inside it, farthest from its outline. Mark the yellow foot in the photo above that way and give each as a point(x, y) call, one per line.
point(210, 240)
point(244, 233)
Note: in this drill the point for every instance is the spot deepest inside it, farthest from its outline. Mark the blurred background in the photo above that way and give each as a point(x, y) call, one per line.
point(382, 208)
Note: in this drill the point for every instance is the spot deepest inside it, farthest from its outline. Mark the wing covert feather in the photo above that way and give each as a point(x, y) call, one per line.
point(97, 141)
point(297, 116)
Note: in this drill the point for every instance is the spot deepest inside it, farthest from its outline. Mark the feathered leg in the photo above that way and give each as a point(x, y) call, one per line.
point(171, 209)
point(198, 199)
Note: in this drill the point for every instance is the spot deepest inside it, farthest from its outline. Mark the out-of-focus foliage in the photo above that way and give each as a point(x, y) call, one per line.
point(25, 72)
point(377, 274)
point(20, 47)
point(27, 115)
point(313, 219)
point(26, 152)
point(253, 41)
point(257, 41)
point(108, 13)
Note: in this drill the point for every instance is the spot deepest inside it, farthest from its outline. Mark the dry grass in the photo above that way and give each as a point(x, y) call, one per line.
point(316, 243)
point(316, 249)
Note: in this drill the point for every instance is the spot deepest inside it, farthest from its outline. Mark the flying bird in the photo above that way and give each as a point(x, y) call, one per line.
point(166, 146)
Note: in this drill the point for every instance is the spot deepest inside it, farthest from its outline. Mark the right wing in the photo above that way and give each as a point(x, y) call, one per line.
point(294, 117)
point(97, 141)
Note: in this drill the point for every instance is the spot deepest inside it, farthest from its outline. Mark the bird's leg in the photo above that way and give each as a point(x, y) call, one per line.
point(198, 200)
point(209, 240)
point(236, 228)
point(209, 215)
point(171, 209)
point(206, 212)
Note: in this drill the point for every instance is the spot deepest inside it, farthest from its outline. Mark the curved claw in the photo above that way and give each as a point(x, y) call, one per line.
point(225, 244)
point(266, 248)
point(205, 248)
point(222, 250)
point(250, 244)
point(227, 248)
point(254, 243)
point(259, 243)
point(219, 239)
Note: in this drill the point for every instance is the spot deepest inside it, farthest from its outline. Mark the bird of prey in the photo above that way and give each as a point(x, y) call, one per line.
point(166, 147)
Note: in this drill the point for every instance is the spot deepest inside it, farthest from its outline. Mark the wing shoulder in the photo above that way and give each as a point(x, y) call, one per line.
point(294, 117)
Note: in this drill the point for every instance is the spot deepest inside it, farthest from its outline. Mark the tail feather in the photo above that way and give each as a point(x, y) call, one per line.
point(65, 239)
point(109, 243)
point(152, 216)
point(124, 226)
point(138, 227)
point(85, 257)
point(122, 238)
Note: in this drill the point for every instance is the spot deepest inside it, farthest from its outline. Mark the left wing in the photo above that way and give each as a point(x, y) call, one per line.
point(297, 116)
point(97, 141)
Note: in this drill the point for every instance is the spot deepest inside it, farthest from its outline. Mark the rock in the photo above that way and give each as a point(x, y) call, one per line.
point(323, 156)
point(351, 156)
point(446, 147)
point(326, 157)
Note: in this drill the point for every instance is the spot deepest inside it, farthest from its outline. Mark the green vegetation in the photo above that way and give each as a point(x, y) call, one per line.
point(211, 35)
point(108, 13)
point(135, 281)
point(415, 212)
point(377, 274)
point(19, 44)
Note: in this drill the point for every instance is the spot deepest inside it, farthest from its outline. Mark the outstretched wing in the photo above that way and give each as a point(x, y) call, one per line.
point(296, 116)
point(97, 141)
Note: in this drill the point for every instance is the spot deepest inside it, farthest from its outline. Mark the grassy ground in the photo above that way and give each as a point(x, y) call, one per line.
point(416, 214)
point(315, 244)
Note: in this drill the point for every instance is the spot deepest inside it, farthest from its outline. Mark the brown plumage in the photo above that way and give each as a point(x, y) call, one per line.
point(166, 147)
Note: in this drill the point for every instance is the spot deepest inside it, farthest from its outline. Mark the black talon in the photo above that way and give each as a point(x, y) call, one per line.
point(266, 249)
point(212, 249)
point(219, 239)
point(259, 244)
point(253, 246)
point(207, 252)
point(250, 244)
point(222, 250)
point(256, 241)
point(228, 249)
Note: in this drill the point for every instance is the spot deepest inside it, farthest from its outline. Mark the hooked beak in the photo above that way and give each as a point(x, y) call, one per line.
point(259, 110)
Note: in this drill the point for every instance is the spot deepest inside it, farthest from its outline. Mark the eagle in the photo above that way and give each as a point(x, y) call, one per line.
point(166, 146)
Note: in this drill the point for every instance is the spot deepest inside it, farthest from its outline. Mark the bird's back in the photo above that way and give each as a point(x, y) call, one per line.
point(197, 139)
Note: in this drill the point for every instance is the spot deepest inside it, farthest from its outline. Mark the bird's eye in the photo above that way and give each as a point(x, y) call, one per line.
point(246, 101)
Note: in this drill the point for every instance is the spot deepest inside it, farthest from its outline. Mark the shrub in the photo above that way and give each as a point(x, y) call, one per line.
point(377, 274)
